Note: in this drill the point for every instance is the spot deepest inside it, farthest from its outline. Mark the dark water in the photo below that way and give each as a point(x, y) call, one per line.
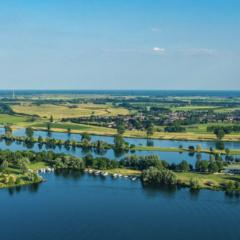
point(76, 206)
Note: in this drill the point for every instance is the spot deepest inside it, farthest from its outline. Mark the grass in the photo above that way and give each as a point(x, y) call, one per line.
point(215, 179)
point(124, 171)
point(12, 177)
point(12, 119)
point(69, 111)
point(76, 128)
point(37, 165)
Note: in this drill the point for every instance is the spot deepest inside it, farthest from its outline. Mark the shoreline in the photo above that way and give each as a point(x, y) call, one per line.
point(200, 138)
point(206, 181)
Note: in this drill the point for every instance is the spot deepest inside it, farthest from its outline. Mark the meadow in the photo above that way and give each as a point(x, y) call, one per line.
point(68, 110)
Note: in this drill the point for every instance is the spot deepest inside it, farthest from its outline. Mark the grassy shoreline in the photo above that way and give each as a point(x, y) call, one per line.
point(139, 134)
point(216, 181)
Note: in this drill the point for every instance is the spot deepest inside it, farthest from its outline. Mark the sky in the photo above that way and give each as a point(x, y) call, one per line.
point(120, 44)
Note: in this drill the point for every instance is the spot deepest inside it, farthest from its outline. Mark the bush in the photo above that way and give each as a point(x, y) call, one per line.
point(155, 176)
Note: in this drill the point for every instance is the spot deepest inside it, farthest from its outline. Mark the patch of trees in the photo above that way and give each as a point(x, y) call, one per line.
point(211, 166)
point(21, 159)
point(155, 176)
point(5, 108)
point(174, 128)
point(223, 129)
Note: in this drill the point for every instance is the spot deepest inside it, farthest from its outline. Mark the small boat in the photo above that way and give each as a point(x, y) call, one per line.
point(115, 175)
point(134, 178)
point(97, 172)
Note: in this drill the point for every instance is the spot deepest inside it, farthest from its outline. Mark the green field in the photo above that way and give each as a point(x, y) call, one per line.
point(215, 179)
point(68, 110)
point(12, 119)
point(76, 128)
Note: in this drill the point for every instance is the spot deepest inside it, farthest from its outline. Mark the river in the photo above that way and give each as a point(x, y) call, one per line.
point(80, 206)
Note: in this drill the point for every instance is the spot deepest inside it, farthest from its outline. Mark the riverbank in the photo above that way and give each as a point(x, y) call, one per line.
point(103, 131)
point(186, 136)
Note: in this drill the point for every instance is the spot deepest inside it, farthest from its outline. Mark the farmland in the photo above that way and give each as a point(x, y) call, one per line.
point(67, 110)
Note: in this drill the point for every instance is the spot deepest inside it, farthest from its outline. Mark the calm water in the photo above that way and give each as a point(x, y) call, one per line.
point(76, 206)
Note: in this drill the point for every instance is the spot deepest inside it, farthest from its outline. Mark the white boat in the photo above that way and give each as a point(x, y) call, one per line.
point(97, 172)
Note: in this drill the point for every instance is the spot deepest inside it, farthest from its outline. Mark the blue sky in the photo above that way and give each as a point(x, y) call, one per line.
point(124, 44)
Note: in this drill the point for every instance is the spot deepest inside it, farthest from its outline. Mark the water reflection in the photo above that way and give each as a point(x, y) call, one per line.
point(155, 191)
point(31, 188)
point(69, 174)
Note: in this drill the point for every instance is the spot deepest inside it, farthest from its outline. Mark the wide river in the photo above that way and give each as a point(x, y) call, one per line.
point(81, 206)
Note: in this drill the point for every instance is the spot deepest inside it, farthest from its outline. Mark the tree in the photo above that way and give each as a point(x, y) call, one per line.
point(194, 184)
point(29, 132)
point(220, 145)
point(49, 126)
point(120, 127)
point(69, 131)
point(119, 142)
point(184, 166)
point(219, 132)
point(51, 119)
point(85, 137)
point(8, 130)
point(155, 176)
point(22, 164)
point(213, 167)
point(150, 130)
point(40, 139)
point(227, 151)
point(201, 165)
point(4, 165)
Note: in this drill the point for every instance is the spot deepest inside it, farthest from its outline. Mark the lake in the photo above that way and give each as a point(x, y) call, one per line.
point(73, 206)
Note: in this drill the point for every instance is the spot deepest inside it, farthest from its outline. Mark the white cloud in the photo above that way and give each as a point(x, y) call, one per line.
point(158, 49)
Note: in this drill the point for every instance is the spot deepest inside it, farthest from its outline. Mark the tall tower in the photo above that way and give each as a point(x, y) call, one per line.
point(13, 94)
